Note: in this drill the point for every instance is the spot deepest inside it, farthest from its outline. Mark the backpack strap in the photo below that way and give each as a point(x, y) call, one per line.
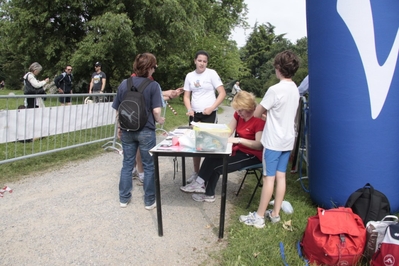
point(143, 85)
point(358, 194)
point(282, 253)
point(374, 202)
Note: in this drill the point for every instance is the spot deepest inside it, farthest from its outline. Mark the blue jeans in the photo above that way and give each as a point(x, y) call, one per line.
point(143, 140)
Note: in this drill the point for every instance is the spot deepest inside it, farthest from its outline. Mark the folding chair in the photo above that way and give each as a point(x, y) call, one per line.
point(253, 169)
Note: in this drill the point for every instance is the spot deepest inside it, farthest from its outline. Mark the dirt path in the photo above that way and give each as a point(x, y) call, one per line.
point(72, 216)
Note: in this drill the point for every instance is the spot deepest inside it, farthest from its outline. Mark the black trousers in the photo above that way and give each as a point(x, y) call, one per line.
point(212, 168)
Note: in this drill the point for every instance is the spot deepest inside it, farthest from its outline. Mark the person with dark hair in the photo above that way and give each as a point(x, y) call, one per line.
point(98, 81)
point(280, 105)
point(247, 148)
point(32, 85)
point(2, 85)
point(64, 83)
point(199, 97)
point(167, 95)
point(143, 140)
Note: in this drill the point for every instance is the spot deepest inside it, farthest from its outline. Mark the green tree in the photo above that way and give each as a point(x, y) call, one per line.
point(56, 33)
point(301, 49)
point(258, 56)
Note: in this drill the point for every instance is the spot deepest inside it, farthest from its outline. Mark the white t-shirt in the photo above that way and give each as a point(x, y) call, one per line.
point(203, 88)
point(281, 102)
point(235, 89)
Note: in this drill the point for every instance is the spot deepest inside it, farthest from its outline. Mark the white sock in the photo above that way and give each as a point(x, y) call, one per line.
point(200, 180)
point(257, 215)
point(141, 175)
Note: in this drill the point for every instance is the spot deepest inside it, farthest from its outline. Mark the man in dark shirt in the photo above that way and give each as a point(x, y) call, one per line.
point(64, 84)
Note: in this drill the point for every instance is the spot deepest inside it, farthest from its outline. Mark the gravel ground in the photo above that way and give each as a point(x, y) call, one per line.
point(71, 216)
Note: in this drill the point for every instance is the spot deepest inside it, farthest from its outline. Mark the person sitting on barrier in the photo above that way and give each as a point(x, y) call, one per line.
point(236, 88)
point(247, 148)
point(32, 85)
point(280, 105)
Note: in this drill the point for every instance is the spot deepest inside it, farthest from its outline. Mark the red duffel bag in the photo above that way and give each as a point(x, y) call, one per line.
point(334, 237)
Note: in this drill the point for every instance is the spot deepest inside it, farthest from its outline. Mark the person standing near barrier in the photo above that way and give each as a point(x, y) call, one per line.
point(98, 81)
point(144, 66)
point(64, 83)
point(247, 148)
point(199, 97)
point(280, 105)
point(32, 85)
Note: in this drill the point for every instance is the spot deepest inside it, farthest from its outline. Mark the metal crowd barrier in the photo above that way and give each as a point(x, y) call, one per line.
point(52, 127)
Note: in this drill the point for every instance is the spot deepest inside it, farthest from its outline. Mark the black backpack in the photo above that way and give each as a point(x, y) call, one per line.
point(133, 114)
point(369, 203)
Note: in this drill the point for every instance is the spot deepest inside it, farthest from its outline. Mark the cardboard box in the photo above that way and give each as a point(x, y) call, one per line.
point(211, 137)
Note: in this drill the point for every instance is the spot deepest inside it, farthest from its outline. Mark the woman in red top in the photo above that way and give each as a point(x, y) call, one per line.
point(247, 148)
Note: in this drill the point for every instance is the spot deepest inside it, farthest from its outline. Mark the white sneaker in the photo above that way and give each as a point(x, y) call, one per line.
point(124, 204)
point(135, 173)
point(141, 177)
point(272, 219)
point(253, 219)
point(203, 197)
point(193, 187)
point(153, 206)
point(192, 177)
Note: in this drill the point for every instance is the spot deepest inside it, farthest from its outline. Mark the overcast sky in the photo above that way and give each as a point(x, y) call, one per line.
point(288, 16)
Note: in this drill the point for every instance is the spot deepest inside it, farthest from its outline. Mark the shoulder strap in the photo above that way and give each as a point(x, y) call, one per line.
point(359, 193)
point(282, 253)
point(142, 86)
point(129, 83)
point(63, 76)
point(27, 75)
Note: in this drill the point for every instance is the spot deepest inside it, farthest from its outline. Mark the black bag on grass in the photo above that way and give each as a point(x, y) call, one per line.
point(369, 203)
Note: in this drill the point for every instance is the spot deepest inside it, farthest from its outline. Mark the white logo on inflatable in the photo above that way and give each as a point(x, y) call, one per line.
point(358, 17)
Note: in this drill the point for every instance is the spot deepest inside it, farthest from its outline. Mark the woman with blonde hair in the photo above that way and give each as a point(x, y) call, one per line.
point(247, 148)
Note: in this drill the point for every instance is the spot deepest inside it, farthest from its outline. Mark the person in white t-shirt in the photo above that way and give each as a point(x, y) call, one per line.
point(280, 105)
point(236, 88)
point(200, 98)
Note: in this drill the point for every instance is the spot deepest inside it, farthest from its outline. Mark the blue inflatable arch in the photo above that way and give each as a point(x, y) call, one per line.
point(353, 99)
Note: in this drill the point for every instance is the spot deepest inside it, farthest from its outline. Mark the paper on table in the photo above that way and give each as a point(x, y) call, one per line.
point(178, 132)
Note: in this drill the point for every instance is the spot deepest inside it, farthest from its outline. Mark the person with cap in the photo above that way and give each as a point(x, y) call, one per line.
point(98, 80)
